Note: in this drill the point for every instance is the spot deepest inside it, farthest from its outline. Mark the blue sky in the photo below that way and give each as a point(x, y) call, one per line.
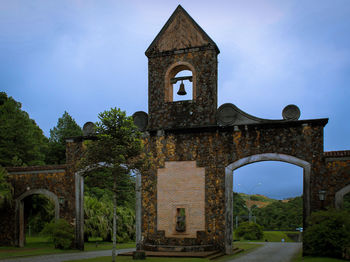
point(87, 56)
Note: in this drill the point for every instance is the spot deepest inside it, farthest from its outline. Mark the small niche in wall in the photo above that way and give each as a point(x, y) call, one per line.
point(180, 220)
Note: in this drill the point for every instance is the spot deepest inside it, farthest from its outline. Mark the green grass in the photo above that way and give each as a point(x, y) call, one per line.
point(272, 236)
point(246, 246)
point(41, 246)
point(299, 258)
point(318, 259)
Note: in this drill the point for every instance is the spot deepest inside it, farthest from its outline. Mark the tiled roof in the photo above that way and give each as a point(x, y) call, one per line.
point(35, 168)
point(343, 153)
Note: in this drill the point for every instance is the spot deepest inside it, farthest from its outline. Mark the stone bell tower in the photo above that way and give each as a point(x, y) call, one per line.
point(182, 55)
point(182, 99)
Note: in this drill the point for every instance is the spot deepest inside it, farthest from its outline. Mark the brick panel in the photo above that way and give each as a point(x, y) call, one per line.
point(181, 185)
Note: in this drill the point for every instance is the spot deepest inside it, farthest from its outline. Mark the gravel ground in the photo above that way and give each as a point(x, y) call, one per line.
point(65, 257)
point(271, 252)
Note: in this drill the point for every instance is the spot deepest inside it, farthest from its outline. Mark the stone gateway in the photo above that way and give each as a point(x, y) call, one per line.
point(184, 201)
point(186, 197)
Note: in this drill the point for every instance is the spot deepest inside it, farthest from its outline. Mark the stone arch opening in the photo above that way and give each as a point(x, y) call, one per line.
point(258, 158)
point(339, 196)
point(20, 227)
point(271, 179)
point(175, 75)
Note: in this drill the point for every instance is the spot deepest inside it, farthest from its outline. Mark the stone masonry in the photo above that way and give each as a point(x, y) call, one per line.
point(215, 139)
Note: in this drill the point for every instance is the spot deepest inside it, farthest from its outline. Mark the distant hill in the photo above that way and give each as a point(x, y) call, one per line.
point(271, 214)
point(258, 200)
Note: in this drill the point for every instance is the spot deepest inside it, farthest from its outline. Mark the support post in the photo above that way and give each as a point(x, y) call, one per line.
point(228, 210)
point(21, 224)
point(79, 211)
point(138, 211)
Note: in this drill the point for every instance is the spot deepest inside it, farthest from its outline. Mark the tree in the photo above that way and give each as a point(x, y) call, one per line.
point(239, 205)
point(99, 182)
point(346, 203)
point(281, 215)
point(327, 234)
point(116, 149)
point(40, 210)
point(5, 188)
point(99, 219)
point(66, 127)
point(249, 231)
point(22, 142)
point(60, 232)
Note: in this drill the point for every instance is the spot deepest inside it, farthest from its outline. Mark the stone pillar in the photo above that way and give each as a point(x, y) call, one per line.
point(138, 211)
point(228, 211)
point(21, 224)
point(79, 211)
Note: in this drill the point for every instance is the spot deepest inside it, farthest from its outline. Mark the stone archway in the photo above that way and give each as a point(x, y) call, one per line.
point(258, 158)
point(339, 196)
point(20, 210)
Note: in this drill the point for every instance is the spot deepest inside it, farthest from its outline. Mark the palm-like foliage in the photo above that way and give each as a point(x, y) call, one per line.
point(99, 219)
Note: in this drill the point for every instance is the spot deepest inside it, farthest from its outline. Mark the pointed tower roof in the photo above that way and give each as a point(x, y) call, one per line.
point(180, 32)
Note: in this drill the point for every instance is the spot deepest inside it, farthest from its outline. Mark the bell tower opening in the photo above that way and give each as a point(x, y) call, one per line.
point(182, 86)
point(180, 82)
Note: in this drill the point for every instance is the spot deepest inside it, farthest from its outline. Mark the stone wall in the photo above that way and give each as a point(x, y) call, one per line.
point(337, 175)
point(198, 112)
point(60, 180)
point(214, 148)
point(32, 179)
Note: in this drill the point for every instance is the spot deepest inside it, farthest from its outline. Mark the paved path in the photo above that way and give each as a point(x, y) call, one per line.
point(65, 257)
point(271, 252)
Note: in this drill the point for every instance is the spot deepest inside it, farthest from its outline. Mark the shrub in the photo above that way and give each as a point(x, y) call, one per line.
point(249, 231)
point(327, 233)
point(60, 232)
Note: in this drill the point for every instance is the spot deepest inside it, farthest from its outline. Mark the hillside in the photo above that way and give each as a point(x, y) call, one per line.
point(258, 200)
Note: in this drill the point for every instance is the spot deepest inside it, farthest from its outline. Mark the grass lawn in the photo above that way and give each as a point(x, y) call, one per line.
point(41, 246)
point(273, 236)
point(246, 246)
point(299, 258)
point(318, 259)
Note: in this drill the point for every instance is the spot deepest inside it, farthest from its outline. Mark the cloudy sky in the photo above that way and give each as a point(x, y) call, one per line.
point(86, 56)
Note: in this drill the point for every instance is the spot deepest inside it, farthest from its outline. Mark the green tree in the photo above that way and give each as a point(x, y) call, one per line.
point(60, 232)
point(281, 215)
point(116, 149)
point(99, 219)
point(346, 203)
point(66, 127)
point(5, 188)
point(249, 231)
point(239, 205)
point(39, 210)
point(327, 234)
point(22, 142)
point(97, 215)
point(99, 182)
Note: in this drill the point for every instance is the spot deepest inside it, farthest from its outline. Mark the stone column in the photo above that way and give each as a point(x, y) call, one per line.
point(79, 211)
point(138, 211)
point(228, 210)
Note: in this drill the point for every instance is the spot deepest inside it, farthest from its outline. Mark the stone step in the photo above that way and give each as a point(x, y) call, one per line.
point(167, 248)
point(201, 254)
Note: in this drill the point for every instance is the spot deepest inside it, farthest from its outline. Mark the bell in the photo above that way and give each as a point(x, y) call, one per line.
point(182, 90)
